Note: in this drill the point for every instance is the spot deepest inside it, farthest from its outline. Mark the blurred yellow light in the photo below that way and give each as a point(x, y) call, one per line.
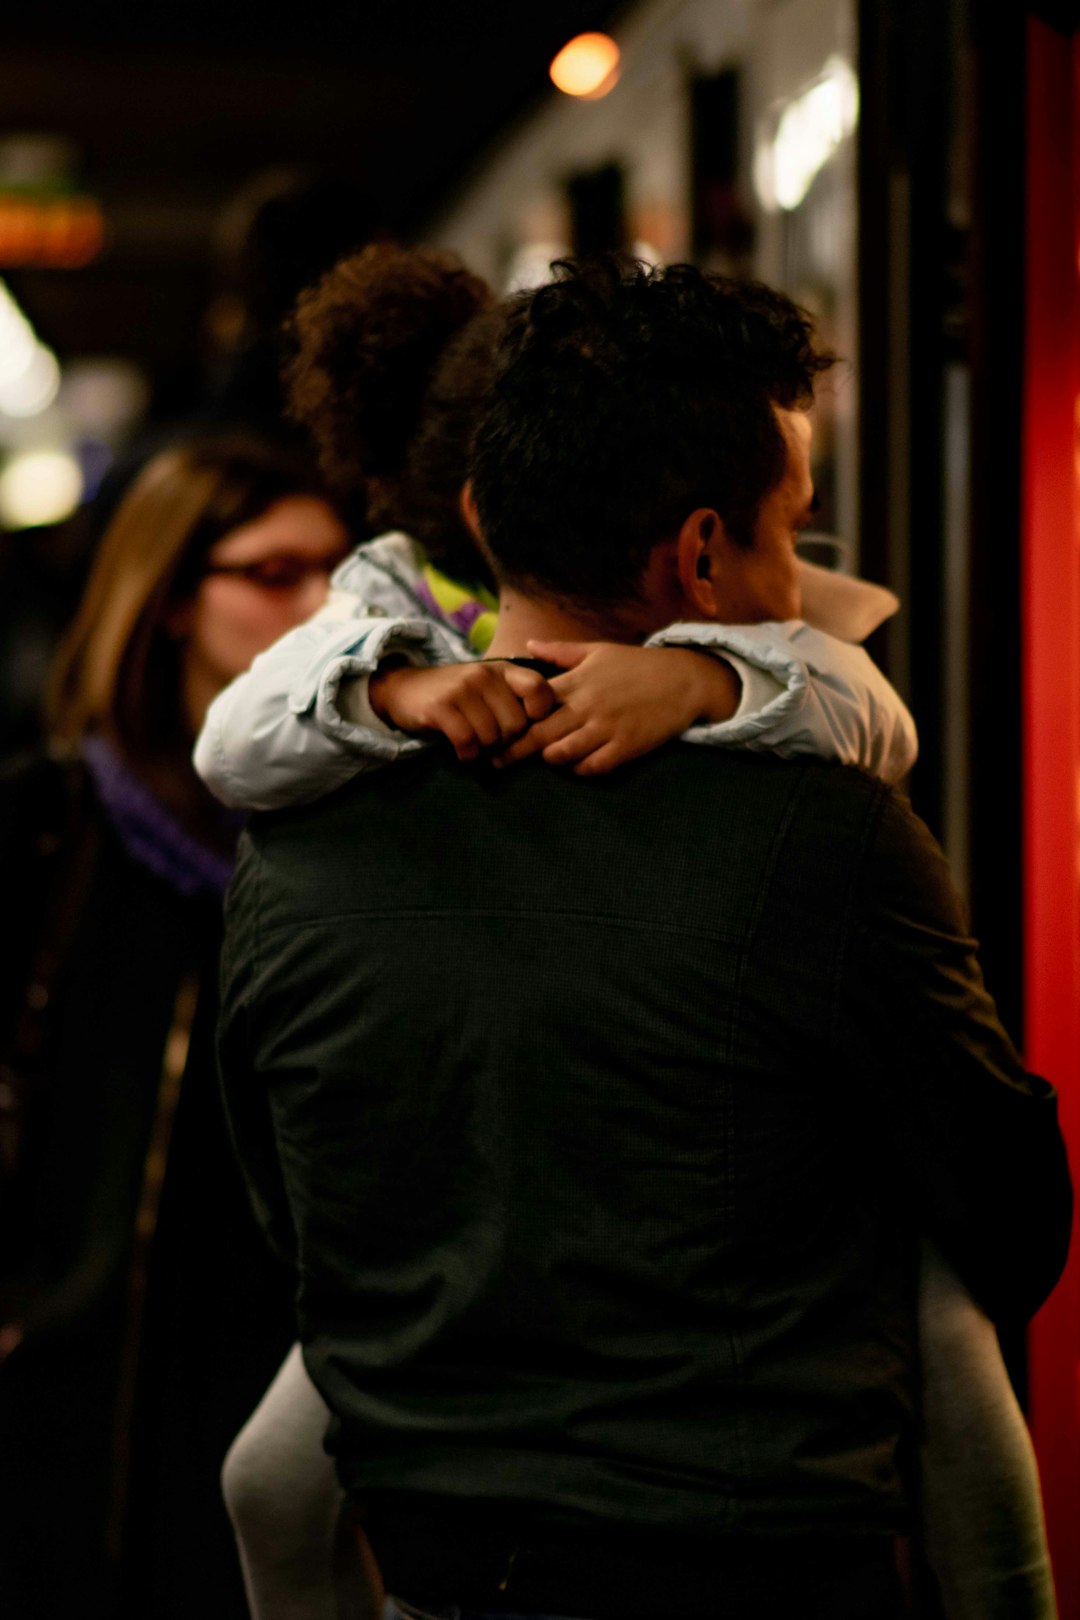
point(40, 486)
point(588, 66)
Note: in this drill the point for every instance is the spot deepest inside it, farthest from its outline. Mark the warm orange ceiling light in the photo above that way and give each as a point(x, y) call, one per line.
point(588, 66)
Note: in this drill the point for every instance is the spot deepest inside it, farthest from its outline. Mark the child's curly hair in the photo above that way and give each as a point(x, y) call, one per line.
point(393, 355)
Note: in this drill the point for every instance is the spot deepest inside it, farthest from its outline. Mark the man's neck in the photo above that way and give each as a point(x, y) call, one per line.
point(523, 619)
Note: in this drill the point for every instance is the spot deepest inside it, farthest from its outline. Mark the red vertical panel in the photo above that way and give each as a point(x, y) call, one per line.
point(1051, 640)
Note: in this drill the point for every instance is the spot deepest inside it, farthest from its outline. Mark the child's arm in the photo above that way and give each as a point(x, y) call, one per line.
point(830, 699)
point(299, 723)
point(791, 688)
point(802, 692)
point(296, 724)
point(476, 707)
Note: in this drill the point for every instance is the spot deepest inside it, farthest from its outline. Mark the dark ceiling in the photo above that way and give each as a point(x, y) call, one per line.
point(172, 107)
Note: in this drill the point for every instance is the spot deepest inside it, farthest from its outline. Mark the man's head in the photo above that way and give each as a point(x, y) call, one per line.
point(645, 455)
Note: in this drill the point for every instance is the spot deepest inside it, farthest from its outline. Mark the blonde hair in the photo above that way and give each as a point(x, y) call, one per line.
point(117, 669)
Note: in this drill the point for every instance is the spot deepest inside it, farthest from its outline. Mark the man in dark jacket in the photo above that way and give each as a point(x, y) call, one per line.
point(604, 1117)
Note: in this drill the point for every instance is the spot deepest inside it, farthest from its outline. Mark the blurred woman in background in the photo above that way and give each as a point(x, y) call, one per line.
point(140, 1315)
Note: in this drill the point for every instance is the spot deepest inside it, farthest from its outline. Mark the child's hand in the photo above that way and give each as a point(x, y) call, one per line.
point(474, 706)
point(618, 702)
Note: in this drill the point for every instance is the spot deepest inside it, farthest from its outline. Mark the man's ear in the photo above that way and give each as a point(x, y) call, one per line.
point(467, 507)
point(701, 538)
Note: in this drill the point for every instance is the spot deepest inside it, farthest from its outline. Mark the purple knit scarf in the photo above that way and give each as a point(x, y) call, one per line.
point(150, 833)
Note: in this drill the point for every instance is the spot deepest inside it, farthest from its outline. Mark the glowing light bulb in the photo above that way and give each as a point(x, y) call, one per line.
point(588, 67)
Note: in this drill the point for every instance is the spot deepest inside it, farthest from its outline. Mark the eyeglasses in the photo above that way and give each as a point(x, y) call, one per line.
point(277, 573)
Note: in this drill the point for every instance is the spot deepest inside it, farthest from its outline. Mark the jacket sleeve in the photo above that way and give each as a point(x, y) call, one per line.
point(804, 692)
point(283, 733)
point(245, 1087)
point(972, 1137)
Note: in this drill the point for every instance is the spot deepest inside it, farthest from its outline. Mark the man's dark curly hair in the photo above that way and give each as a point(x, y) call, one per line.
point(625, 398)
point(393, 354)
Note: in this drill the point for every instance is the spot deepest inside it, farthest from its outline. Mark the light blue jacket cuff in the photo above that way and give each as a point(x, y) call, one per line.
point(318, 694)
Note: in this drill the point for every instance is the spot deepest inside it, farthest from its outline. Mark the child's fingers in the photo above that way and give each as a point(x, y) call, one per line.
point(539, 736)
point(602, 760)
point(458, 731)
point(508, 710)
point(580, 742)
point(567, 654)
point(481, 716)
point(532, 689)
point(564, 687)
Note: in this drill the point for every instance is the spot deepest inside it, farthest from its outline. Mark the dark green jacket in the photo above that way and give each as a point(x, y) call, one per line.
point(601, 1117)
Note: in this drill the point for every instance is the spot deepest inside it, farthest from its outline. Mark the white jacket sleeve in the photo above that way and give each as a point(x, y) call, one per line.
point(282, 733)
point(298, 723)
point(804, 692)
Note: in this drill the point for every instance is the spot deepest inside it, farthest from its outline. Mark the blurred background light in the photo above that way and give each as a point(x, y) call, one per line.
point(46, 221)
point(587, 67)
point(56, 233)
point(104, 396)
point(29, 372)
point(34, 388)
point(17, 340)
point(95, 458)
point(32, 160)
point(808, 131)
point(39, 486)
